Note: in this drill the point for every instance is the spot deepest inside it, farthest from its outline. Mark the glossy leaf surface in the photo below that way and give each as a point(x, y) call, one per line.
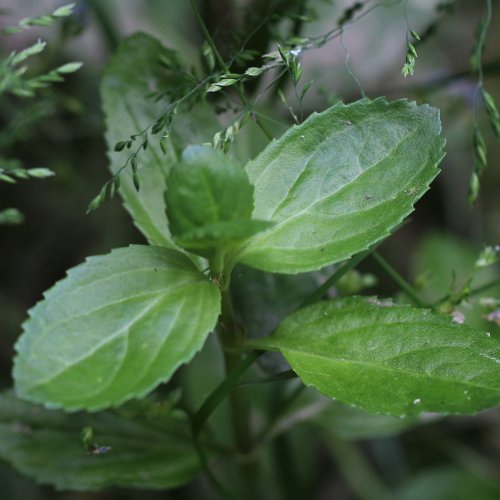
point(139, 451)
point(114, 328)
point(340, 182)
point(390, 359)
point(131, 75)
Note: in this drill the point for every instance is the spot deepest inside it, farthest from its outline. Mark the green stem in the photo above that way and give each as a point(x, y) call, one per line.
point(236, 365)
point(482, 38)
point(363, 481)
point(105, 24)
point(471, 293)
point(350, 264)
point(484, 288)
point(272, 428)
point(277, 377)
point(398, 279)
point(223, 65)
point(231, 338)
point(216, 484)
point(208, 36)
point(222, 390)
point(217, 266)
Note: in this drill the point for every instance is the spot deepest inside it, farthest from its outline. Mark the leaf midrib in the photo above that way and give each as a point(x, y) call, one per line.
point(374, 366)
point(129, 298)
point(107, 340)
point(102, 388)
point(338, 193)
point(308, 160)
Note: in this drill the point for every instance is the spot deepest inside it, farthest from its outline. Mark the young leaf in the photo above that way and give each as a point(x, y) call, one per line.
point(11, 216)
point(40, 173)
point(389, 359)
point(253, 71)
point(221, 233)
point(69, 67)
point(126, 84)
point(141, 452)
point(114, 328)
point(340, 182)
point(64, 11)
point(38, 47)
point(209, 200)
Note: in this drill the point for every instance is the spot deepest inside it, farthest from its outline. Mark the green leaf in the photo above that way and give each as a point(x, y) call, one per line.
point(116, 327)
point(221, 233)
point(253, 71)
point(64, 11)
point(69, 67)
point(11, 216)
point(40, 173)
point(144, 452)
point(390, 359)
point(34, 49)
point(6, 178)
point(127, 82)
point(214, 88)
point(209, 200)
point(340, 182)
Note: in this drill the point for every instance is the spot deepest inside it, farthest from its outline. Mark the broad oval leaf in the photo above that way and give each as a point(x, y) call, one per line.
point(209, 201)
point(141, 451)
point(114, 328)
point(390, 359)
point(340, 182)
point(132, 73)
point(206, 187)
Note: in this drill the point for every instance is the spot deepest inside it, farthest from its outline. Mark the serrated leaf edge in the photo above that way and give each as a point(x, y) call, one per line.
point(46, 296)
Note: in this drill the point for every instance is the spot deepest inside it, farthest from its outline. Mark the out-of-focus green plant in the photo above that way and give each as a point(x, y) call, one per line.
point(14, 79)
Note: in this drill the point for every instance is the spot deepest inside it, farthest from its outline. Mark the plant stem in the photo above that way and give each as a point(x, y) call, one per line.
point(277, 377)
point(471, 293)
point(398, 279)
point(484, 288)
point(223, 65)
point(216, 484)
point(231, 337)
point(357, 471)
point(273, 427)
point(350, 264)
point(222, 390)
point(105, 23)
point(208, 36)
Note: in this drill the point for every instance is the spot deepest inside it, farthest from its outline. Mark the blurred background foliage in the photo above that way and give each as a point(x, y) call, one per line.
point(61, 128)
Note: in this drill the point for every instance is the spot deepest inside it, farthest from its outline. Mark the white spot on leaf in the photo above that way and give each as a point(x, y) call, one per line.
point(458, 317)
